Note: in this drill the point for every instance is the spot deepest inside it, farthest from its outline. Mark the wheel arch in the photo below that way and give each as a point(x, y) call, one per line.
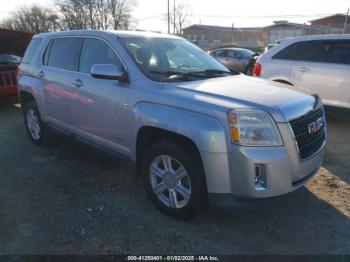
point(25, 97)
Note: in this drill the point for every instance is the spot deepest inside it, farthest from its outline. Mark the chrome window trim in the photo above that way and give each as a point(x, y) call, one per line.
point(48, 39)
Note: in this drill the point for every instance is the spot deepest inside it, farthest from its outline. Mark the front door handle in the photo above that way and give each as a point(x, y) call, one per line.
point(304, 69)
point(77, 83)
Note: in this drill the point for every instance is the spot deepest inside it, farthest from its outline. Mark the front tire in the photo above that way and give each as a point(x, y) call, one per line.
point(34, 126)
point(173, 178)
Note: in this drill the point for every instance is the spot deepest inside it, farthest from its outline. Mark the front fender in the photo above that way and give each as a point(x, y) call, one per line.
point(207, 133)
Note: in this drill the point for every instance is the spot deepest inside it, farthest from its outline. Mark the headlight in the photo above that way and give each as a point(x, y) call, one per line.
point(253, 128)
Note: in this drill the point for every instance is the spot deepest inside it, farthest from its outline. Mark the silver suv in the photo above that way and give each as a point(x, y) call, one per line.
point(196, 131)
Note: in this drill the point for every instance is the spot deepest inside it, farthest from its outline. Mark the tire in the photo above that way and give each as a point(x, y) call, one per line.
point(35, 127)
point(178, 198)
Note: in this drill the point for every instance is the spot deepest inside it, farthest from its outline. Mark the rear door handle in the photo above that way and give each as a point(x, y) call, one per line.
point(41, 74)
point(77, 83)
point(304, 69)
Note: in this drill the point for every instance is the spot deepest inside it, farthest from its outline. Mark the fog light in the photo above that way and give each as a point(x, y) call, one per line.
point(260, 178)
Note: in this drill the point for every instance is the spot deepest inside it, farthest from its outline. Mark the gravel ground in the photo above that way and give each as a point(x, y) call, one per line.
point(68, 199)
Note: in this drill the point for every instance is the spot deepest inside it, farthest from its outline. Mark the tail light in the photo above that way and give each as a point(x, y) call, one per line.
point(257, 70)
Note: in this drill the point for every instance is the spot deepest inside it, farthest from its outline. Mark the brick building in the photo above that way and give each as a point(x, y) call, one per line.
point(334, 21)
point(285, 29)
point(205, 35)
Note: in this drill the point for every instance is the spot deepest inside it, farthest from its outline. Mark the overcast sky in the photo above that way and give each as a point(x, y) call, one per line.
point(249, 13)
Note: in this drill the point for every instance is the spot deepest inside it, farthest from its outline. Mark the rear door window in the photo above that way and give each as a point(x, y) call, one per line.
point(64, 53)
point(31, 50)
point(302, 51)
point(320, 51)
point(95, 51)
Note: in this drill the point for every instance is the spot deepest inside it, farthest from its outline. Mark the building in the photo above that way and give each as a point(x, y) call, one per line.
point(207, 35)
point(285, 29)
point(333, 21)
point(213, 36)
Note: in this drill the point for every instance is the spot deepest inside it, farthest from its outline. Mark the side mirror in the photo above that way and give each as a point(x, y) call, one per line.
point(108, 71)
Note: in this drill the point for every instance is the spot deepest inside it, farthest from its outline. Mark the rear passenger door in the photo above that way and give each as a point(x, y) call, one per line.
point(323, 68)
point(100, 114)
point(60, 63)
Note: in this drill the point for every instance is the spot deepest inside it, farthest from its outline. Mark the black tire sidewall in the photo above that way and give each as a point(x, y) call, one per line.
point(32, 105)
point(193, 167)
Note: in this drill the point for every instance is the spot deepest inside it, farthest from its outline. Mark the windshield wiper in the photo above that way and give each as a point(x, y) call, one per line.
point(166, 73)
point(173, 74)
point(198, 74)
point(216, 72)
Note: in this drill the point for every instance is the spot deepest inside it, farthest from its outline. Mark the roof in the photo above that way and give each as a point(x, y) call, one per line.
point(326, 17)
point(222, 28)
point(318, 37)
point(278, 23)
point(120, 34)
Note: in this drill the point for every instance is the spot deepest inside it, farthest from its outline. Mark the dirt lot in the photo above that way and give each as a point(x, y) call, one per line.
point(67, 199)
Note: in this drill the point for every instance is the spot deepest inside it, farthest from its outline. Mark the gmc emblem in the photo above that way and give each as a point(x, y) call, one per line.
point(316, 126)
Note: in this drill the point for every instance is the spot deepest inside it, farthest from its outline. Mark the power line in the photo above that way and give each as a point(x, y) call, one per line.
point(265, 16)
point(147, 18)
point(236, 17)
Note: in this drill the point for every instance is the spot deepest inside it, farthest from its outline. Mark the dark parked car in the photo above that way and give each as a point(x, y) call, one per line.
point(8, 67)
point(235, 59)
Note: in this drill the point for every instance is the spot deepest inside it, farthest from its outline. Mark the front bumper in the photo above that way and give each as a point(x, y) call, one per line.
point(234, 174)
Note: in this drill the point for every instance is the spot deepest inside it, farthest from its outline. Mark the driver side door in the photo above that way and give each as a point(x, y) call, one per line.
point(101, 115)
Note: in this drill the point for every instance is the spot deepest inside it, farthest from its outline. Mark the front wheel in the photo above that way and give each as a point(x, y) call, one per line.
point(174, 180)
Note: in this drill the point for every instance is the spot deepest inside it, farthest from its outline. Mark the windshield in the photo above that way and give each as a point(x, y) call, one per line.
point(165, 60)
point(9, 59)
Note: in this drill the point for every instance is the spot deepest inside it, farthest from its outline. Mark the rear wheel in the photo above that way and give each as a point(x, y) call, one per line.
point(174, 180)
point(34, 126)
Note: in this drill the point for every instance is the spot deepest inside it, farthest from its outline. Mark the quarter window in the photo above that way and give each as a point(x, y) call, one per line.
point(94, 52)
point(31, 50)
point(64, 53)
point(337, 52)
point(220, 53)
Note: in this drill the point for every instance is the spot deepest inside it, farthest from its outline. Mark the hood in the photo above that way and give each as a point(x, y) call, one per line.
point(248, 92)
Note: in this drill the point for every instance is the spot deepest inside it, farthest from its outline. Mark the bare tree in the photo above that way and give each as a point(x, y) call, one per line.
point(121, 13)
point(96, 14)
point(182, 17)
point(34, 19)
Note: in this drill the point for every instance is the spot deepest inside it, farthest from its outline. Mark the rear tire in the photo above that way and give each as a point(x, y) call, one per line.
point(35, 127)
point(173, 178)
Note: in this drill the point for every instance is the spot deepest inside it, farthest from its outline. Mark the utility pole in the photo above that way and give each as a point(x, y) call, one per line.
point(169, 17)
point(175, 17)
point(346, 21)
point(233, 33)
